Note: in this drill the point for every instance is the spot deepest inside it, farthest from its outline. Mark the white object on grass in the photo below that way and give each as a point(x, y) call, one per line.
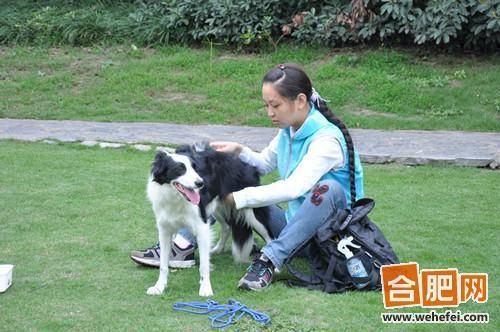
point(5, 276)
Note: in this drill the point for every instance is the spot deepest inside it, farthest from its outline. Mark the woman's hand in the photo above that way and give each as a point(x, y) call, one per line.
point(229, 199)
point(228, 147)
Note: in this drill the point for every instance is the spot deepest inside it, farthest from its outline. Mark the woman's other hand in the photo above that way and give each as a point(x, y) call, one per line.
point(229, 199)
point(228, 147)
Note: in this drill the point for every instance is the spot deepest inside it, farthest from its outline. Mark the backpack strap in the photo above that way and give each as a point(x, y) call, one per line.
point(308, 279)
point(360, 210)
point(329, 283)
point(318, 279)
point(329, 229)
point(344, 218)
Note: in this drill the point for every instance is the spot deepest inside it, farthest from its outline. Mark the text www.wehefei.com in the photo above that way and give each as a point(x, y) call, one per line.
point(435, 317)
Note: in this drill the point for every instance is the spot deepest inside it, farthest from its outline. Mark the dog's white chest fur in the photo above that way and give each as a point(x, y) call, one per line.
point(169, 204)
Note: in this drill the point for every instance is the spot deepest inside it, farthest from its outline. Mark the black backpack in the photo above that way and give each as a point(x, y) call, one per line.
point(348, 232)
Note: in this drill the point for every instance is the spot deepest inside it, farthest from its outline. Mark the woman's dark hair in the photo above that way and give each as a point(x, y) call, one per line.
point(290, 80)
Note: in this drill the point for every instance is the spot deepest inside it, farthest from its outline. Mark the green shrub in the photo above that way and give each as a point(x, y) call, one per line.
point(484, 25)
point(49, 23)
point(465, 24)
point(237, 22)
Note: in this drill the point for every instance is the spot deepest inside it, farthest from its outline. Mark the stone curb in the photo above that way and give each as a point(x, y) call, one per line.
point(407, 147)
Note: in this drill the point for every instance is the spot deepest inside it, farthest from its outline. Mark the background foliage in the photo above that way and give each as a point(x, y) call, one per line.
point(463, 24)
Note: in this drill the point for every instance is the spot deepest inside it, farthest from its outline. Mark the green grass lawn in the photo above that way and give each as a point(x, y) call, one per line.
point(384, 88)
point(70, 215)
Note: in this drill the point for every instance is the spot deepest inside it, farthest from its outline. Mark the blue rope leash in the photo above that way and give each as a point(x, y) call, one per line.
point(227, 314)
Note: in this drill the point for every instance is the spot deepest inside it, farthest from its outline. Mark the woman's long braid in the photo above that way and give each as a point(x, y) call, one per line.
point(328, 114)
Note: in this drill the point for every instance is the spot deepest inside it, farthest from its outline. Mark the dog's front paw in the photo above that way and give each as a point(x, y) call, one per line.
point(206, 290)
point(154, 291)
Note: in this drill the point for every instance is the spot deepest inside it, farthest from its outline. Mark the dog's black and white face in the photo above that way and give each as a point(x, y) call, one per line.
point(178, 171)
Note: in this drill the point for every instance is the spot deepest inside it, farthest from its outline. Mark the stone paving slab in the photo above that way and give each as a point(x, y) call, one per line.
point(409, 147)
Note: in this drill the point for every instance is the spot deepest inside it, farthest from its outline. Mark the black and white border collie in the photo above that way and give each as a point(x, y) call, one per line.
point(188, 186)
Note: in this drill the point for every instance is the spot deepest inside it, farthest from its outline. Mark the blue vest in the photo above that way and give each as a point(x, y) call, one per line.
point(292, 150)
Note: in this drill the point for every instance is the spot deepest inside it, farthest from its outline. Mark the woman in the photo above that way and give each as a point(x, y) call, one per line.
point(311, 153)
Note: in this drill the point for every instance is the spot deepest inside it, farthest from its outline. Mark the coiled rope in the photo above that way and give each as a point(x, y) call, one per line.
point(226, 314)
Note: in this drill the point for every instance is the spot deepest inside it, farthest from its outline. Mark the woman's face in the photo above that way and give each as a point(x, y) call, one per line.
point(284, 112)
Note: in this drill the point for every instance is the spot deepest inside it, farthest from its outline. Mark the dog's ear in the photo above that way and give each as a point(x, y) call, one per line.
point(184, 149)
point(209, 164)
point(219, 175)
point(166, 169)
point(159, 167)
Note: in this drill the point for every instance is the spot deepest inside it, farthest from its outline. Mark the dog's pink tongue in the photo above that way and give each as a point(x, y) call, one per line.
point(192, 196)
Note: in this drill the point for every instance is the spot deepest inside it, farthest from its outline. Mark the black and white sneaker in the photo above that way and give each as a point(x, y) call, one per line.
point(179, 258)
point(259, 274)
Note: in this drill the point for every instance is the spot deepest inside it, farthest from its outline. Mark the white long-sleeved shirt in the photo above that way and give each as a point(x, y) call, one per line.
point(324, 154)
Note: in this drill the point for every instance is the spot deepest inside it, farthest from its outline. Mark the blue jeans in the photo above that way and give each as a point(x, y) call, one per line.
point(319, 205)
point(186, 233)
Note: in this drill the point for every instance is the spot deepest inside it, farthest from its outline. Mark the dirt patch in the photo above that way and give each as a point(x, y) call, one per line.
point(316, 64)
point(57, 52)
point(84, 74)
point(173, 96)
point(93, 63)
point(16, 72)
point(455, 84)
point(367, 113)
point(229, 56)
point(85, 68)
